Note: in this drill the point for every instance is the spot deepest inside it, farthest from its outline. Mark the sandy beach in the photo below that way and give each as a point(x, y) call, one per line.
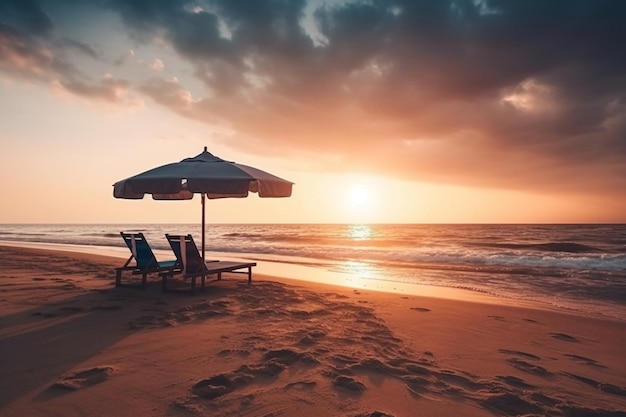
point(73, 345)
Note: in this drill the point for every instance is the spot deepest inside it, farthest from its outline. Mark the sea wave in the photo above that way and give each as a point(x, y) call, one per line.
point(568, 247)
point(575, 264)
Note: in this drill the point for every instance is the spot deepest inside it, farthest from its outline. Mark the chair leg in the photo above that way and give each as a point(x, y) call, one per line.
point(193, 285)
point(249, 275)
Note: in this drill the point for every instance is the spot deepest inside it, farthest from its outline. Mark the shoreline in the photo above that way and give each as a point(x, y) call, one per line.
point(291, 272)
point(297, 273)
point(72, 344)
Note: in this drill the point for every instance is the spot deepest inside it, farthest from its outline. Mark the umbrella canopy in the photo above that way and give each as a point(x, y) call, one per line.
point(204, 174)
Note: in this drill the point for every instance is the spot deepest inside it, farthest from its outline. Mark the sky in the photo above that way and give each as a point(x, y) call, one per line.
point(398, 111)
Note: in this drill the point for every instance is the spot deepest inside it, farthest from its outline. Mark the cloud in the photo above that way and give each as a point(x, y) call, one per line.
point(169, 93)
point(157, 65)
point(80, 47)
point(30, 51)
point(24, 16)
point(121, 60)
point(108, 89)
point(18, 58)
point(508, 94)
point(520, 94)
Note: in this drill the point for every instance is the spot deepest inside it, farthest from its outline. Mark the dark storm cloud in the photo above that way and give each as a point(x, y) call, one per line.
point(24, 16)
point(533, 84)
point(519, 93)
point(81, 47)
point(21, 23)
point(30, 50)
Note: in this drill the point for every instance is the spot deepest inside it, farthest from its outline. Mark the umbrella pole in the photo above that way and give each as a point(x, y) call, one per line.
point(203, 260)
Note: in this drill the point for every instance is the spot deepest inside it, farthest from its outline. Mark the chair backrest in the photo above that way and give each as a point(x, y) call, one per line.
point(140, 249)
point(186, 252)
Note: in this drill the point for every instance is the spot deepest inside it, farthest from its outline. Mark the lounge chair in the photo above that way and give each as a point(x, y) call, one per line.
point(189, 258)
point(145, 261)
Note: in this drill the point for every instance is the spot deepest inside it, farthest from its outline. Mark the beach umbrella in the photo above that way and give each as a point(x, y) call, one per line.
point(204, 174)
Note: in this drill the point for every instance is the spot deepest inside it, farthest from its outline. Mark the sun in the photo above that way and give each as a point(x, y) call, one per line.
point(359, 197)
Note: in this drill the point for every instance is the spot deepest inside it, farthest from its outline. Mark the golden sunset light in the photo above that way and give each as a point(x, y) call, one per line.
point(343, 208)
point(359, 197)
point(119, 91)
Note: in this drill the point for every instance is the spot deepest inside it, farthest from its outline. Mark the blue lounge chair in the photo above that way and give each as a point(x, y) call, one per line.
point(188, 256)
point(145, 261)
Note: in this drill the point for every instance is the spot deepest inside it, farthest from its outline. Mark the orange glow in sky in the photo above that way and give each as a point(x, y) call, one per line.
point(376, 117)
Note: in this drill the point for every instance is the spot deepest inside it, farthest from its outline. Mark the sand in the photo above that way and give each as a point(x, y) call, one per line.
point(73, 345)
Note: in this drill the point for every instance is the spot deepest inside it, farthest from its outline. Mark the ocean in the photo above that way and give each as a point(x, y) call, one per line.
point(576, 267)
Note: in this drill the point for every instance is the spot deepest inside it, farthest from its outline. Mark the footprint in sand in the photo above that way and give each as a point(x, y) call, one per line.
point(584, 360)
point(517, 362)
point(217, 386)
point(80, 379)
point(608, 388)
point(528, 367)
point(274, 362)
point(519, 353)
point(564, 337)
point(510, 404)
point(347, 383)
point(420, 309)
point(514, 381)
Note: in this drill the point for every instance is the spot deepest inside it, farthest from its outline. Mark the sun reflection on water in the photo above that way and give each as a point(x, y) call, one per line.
point(359, 231)
point(363, 270)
